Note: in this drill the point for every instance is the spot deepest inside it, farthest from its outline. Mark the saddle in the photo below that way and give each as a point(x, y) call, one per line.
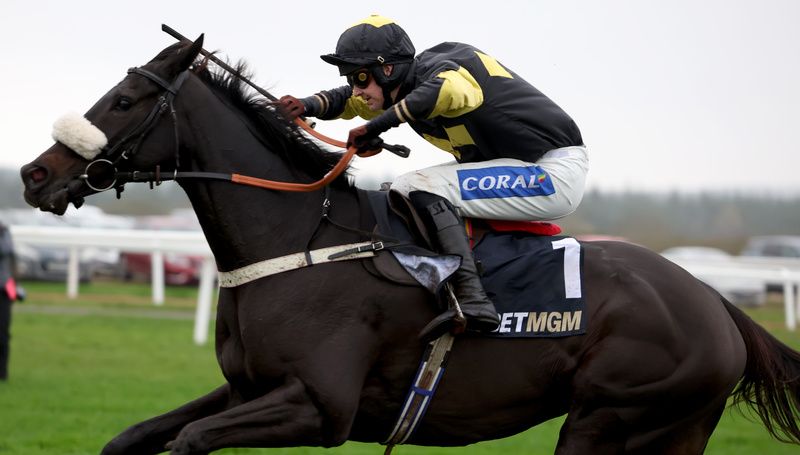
point(393, 216)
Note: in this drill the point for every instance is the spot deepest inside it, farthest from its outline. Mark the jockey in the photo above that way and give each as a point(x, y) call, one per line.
point(519, 156)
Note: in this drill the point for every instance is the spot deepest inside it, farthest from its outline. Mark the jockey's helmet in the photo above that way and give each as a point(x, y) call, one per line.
point(372, 43)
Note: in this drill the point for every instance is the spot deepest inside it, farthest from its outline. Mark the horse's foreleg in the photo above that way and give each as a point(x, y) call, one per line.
point(286, 416)
point(151, 436)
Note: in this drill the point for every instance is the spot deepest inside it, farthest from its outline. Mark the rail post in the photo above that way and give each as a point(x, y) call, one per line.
point(789, 303)
point(157, 276)
point(203, 314)
point(73, 273)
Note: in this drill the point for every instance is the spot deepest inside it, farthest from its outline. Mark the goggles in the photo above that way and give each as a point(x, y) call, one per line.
point(360, 78)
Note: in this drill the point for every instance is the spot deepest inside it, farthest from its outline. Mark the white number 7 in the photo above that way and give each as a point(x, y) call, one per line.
point(572, 266)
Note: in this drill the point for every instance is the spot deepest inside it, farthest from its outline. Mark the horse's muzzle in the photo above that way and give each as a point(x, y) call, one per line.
point(36, 179)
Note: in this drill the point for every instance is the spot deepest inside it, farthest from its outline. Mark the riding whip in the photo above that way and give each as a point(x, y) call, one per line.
point(399, 150)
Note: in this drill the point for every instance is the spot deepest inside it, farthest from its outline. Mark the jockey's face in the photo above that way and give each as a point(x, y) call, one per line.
point(372, 93)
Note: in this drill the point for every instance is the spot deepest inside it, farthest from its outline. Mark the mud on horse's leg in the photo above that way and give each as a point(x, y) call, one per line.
point(151, 436)
point(284, 417)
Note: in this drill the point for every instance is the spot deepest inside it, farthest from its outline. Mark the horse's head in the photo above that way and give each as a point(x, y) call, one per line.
point(129, 128)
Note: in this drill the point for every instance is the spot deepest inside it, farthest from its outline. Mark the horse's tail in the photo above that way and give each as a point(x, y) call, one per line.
point(771, 380)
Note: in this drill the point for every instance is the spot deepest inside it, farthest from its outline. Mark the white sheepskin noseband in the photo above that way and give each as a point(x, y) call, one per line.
point(78, 133)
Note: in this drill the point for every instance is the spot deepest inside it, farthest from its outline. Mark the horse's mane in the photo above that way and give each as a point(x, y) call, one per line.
point(282, 137)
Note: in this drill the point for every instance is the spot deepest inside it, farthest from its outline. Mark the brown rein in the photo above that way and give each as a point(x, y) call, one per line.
point(319, 135)
point(271, 184)
point(324, 181)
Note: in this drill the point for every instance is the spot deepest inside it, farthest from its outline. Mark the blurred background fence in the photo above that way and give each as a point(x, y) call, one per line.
point(156, 244)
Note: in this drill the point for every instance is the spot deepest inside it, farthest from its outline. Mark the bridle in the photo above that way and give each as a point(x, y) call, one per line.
point(121, 151)
point(126, 148)
point(164, 102)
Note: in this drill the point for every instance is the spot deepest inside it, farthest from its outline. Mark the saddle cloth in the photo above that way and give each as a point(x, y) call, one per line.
point(534, 280)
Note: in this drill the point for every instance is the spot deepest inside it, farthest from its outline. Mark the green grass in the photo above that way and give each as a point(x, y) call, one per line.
point(77, 380)
point(111, 294)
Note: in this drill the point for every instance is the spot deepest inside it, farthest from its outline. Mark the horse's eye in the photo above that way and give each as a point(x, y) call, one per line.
point(123, 104)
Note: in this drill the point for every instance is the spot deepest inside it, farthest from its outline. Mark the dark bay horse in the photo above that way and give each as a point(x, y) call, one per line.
point(325, 354)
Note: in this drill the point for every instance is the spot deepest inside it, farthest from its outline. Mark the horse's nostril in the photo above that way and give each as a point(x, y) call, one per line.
point(35, 174)
point(38, 174)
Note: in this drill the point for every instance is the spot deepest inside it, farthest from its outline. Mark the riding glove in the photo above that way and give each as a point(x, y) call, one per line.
point(291, 107)
point(368, 143)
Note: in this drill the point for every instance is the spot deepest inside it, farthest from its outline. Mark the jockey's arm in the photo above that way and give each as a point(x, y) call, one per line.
point(449, 93)
point(337, 103)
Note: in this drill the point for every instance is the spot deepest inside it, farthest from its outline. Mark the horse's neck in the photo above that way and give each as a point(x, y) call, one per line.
point(247, 224)
point(243, 227)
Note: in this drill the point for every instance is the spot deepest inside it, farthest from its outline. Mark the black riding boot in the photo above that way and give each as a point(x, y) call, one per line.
point(443, 221)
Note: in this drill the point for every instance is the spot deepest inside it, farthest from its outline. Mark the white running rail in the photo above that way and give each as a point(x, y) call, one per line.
point(132, 240)
point(776, 271)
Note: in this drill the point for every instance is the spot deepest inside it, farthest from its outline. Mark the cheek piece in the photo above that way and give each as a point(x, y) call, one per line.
point(80, 135)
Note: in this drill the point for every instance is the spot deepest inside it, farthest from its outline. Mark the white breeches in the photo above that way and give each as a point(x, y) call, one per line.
point(505, 188)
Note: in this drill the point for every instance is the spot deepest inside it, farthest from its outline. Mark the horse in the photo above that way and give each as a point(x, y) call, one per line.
point(321, 355)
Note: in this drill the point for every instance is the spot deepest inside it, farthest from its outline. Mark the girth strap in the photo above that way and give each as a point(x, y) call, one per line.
point(294, 261)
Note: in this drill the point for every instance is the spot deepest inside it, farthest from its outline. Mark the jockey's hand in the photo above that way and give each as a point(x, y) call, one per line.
point(291, 107)
point(368, 144)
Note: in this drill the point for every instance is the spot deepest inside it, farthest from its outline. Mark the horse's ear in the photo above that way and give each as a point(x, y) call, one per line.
point(184, 57)
point(191, 53)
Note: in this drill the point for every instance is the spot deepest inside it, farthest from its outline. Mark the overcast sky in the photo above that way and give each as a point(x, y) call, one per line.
point(669, 95)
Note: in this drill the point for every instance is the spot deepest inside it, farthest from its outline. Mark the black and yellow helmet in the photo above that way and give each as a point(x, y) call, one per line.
point(374, 41)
